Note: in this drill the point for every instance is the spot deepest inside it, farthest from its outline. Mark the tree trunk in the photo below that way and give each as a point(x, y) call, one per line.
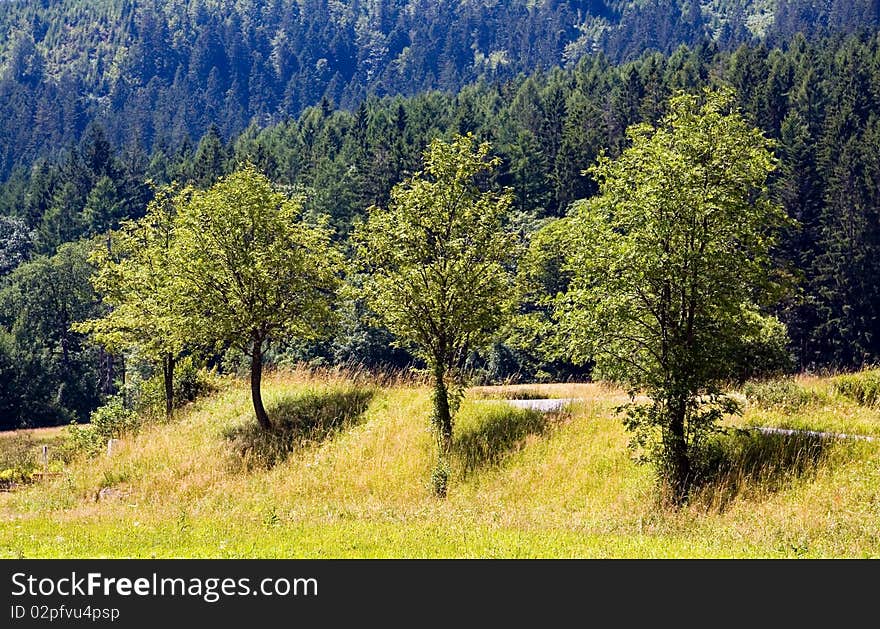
point(168, 372)
point(442, 415)
point(105, 359)
point(125, 400)
point(679, 463)
point(256, 378)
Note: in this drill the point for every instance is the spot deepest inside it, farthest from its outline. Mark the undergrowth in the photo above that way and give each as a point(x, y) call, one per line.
point(784, 394)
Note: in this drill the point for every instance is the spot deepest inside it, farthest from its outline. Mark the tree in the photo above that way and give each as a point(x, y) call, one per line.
point(52, 369)
point(669, 264)
point(136, 281)
point(438, 263)
point(16, 243)
point(249, 269)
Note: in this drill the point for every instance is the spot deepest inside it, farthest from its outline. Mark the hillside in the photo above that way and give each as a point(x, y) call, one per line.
point(159, 72)
point(560, 485)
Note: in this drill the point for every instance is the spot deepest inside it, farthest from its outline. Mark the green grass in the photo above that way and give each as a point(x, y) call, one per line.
point(812, 403)
point(862, 387)
point(523, 485)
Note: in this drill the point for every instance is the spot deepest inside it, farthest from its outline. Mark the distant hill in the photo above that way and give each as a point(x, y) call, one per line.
point(155, 71)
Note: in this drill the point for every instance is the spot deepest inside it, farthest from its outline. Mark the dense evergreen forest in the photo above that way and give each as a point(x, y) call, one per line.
point(153, 73)
point(100, 112)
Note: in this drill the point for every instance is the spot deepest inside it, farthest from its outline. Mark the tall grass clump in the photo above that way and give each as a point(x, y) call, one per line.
point(784, 394)
point(862, 387)
point(485, 438)
point(18, 460)
point(753, 464)
point(519, 393)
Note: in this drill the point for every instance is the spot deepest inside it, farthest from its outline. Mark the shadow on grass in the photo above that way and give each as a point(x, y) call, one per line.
point(753, 464)
point(299, 421)
point(500, 430)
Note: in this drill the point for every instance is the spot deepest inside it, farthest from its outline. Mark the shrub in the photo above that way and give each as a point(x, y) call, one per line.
point(862, 387)
point(783, 394)
point(111, 421)
point(190, 383)
point(763, 352)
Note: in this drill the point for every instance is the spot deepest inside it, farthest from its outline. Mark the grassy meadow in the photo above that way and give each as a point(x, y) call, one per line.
point(352, 479)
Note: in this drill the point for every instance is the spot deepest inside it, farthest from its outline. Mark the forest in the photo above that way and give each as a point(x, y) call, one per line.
point(155, 73)
point(817, 100)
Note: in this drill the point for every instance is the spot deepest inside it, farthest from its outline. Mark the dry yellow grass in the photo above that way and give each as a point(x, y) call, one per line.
point(560, 486)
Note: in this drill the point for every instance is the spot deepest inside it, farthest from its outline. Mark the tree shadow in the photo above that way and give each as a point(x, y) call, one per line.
point(298, 422)
point(500, 430)
point(753, 464)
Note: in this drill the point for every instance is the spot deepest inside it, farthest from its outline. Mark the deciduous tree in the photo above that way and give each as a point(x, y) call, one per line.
point(250, 269)
point(670, 264)
point(136, 281)
point(439, 261)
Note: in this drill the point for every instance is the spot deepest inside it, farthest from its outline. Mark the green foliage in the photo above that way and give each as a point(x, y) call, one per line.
point(438, 257)
point(544, 127)
point(249, 269)
point(863, 387)
point(190, 383)
point(16, 243)
point(110, 421)
point(763, 350)
point(542, 275)
point(440, 478)
point(135, 281)
point(249, 265)
point(438, 267)
point(49, 374)
point(159, 72)
point(667, 263)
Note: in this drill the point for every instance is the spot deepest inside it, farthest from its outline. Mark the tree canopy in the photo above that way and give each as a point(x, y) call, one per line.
point(809, 95)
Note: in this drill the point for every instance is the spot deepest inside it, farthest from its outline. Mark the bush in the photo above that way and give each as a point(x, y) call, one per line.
point(190, 383)
point(862, 387)
point(784, 394)
point(763, 352)
point(111, 421)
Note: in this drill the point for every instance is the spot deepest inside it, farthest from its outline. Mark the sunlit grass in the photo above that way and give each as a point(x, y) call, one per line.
point(523, 485)
point(824, 409)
